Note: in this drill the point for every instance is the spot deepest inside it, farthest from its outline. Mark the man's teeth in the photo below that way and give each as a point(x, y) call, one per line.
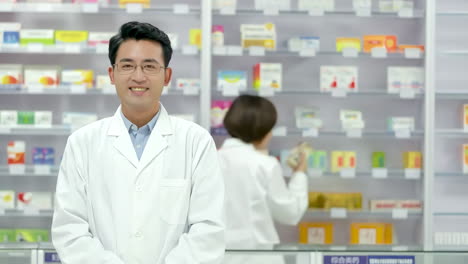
point(137, 89)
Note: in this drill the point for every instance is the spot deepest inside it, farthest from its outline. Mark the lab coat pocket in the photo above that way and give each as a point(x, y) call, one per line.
point(174, 200)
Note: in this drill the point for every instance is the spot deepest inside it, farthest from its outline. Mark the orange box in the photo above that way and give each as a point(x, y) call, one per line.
point(403, 47)
point(317, 233)
point(384, 41)
point(371, 234)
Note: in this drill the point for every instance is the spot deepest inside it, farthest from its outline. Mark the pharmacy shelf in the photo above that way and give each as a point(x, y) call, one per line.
point(61, 8)
point(55, 130)
point(452, 13)
point(452, 94)
point(238, 51)
point(454, 214)
point(78, 49)
point(458, 133)
point(354, 214)
point(364, 175)
point(292, 12)
point(451, 175)
point(67, 90)
point(29, 172)
point(311, 91)
point(347, 248)
point(26, 213)
point(454, 52)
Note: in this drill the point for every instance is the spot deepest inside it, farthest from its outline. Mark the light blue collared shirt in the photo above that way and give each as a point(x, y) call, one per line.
point(140, 135)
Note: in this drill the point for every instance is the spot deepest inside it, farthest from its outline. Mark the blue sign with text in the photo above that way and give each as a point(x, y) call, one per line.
point(345, 260)
point(51, 257)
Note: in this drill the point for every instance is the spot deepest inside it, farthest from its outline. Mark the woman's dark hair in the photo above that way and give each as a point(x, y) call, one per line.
point(250, 118)
point(140, 31)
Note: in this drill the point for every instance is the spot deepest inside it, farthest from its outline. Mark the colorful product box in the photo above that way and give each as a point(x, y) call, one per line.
point(318, 160)
point(411, 78)
point(412, 160)
point(338, 77)
point(304, 43)
point(9, 33)
point(8, 118)
point(11, 74)
point(237, 79)
point(277, 4)
point(7, 235)
point(465, 158)
point(97, 38)
point(77, 119)
point(267, 75)
point(260, 35)
point(45, 76)
point(144, 3)
point(337, 161)
point(43, 156)
point(378, 159)
point(16, 152)
point(43, 118)
point(342, 43)
point(71, 37)
point(7, 199)
point(34, 200)
point(349, 160)
point(395, 5)
point(307, 117)
point(326, 5)
point(219, 109)
point(325, 200)
point(380, 41)
point(39, 36)
point(402, 47)
point(78, 77)
point(388, 205)
point(316, 233)
point(398, 123)
point(32, 235)
point(25, 118)
point(411, 205)
point(351, 119)
point(185, 83)
point(371, 234)
point(195, 37)
point(465, 117)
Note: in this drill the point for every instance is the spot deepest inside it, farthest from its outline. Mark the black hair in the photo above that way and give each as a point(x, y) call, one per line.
point(140, 31)
point(250, 118)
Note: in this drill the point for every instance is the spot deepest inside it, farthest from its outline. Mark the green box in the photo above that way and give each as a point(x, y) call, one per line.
point(32, 235)
point(25, 118)
point(7, 235)
point(378, 159)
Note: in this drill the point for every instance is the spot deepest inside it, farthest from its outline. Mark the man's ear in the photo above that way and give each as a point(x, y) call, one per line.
point(111, 74)
point(167, 76)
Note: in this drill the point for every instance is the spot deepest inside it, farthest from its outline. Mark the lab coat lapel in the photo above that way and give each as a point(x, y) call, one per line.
point(122, 143)
point(157, 141)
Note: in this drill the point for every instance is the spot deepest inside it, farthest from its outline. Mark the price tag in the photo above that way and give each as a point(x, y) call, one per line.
point(412, 174)
point(133, 8)
point(2, 211)
point(407, 93)
point(230, 90)
point(402, 133)
point(35, 47)
point(5, 130)
point(398, 213)
point(379, 52)
point(348, 173)
point(72, 49)
point(6, 7)
point(219, 50)
point(190, 50)
point(44, 7)
point(17, 169)
point(31, 211)
point(400, 248)
point(89, 8)
point(191, 90)
point(406, 13)
point(338, 248)
point(339, 93)
point(280, 131)
point(227, 11)
point(316, 12)
point(354, 133)
point(77, 89)
point(36, 88)
point(42, 169)
point(412, 53)
point(310, 132)
point(102, 48)
point(266, 92)
point(271, 11)
point(315, 173)
point(181, 9)
point(234, 50)
point(307, 53)
point(363, 12)
point(379, 173)
point(256, 51)
point(338, 213)
point(349, 52)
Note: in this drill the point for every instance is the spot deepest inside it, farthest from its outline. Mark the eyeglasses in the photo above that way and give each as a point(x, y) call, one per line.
point(149, 68)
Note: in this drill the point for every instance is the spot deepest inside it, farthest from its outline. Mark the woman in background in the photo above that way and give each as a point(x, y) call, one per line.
point(256, 192)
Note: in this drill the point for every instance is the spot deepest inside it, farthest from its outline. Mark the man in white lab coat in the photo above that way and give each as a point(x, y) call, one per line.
point(141, 186)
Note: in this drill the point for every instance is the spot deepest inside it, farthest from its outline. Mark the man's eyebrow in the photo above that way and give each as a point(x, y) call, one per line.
point(126, 60)
point(150, 60)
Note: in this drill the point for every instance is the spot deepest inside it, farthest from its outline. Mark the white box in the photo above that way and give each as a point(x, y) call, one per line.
point(43, 118)
point(7, 199)
point(8, 118)
point(34, 200)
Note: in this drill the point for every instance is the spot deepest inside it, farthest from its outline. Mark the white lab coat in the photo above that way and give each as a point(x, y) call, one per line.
point(256, 195)
point(166, 208)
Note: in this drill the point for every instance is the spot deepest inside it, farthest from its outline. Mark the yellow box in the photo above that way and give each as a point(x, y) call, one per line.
point(316, 233)
point(262, 35)
point(195, 37)
point(342, 43)
point(78, 77)
point(349, 159)
point(145, 3)
point(412, 160)
point(465, 158)
point(321, 200)
point(71, 37)
point(371, 234)
point(465, 116)
point(337, 161)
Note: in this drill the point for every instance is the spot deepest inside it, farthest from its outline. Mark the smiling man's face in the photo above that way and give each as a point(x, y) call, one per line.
point(139, 91)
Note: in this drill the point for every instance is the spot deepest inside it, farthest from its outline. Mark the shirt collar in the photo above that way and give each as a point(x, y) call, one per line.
point(149, 126)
